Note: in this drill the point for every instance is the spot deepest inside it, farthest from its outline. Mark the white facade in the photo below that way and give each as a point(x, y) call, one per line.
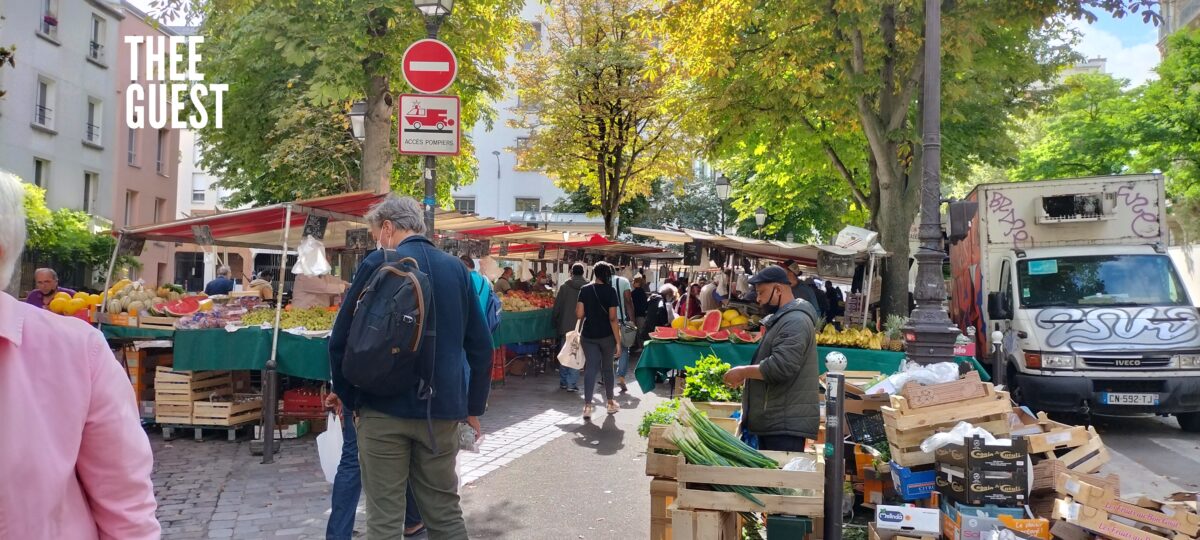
point(58, 120)
point(198, 192)
point(500, 185)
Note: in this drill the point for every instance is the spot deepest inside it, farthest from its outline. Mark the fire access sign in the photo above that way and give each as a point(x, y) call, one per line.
point(429, 125)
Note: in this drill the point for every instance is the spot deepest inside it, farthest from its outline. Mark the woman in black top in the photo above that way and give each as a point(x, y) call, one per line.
point(601, 341)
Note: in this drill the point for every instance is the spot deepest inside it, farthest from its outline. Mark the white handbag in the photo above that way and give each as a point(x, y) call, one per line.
point(571, 355)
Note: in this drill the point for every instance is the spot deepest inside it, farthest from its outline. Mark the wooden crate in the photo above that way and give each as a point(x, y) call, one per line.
point(1098, 521)
point(1106, 499)
point(703, 524)
point(173, 412)
point(158, 323)
point(170, 385)
point(1055, 436)
point(662, 496)
point(907, 428)
point(1046, 471)
point(969, 387)
point(1089, 457)
point(808, 502)
point(227, 413)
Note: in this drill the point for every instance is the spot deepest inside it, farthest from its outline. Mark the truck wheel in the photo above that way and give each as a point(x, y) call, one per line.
point(1189, 422)
point(1014, 391)
point(416, 125)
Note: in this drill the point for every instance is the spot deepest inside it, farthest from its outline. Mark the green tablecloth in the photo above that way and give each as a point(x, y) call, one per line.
point(658, 355)
point(523, 326)
point(249, 348)
point(129, 332)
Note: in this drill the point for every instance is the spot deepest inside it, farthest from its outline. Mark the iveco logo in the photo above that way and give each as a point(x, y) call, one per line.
point(1127, 362)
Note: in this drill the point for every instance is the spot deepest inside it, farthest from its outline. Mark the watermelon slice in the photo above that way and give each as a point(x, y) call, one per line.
point(742, 336)
point(692, 335)
point(722, 335)
point(711, 321)
point(665, 334)
point(182, 307)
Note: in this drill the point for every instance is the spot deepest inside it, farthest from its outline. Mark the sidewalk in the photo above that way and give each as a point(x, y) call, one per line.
point(541, 473)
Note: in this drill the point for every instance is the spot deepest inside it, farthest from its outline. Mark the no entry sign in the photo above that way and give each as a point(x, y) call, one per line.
point(429, 66)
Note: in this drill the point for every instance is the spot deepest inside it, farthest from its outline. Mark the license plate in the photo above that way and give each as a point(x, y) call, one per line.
point(1113, 398)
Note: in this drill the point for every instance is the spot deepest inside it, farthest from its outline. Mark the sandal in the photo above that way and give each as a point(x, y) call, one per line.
point(621, 383)
point(613, 407)
point(420, 530)
point(587, 412)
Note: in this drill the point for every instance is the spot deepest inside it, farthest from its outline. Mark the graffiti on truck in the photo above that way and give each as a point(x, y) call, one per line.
point(1081, 330)
point(1145, 220)
point(966, 280)
point(1014, 227)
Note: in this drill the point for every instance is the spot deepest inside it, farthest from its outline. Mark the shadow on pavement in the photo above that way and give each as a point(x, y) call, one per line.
point(605, 439)
point(495, 521)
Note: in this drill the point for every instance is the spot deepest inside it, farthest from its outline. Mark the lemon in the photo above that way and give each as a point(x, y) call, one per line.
point(81, 295)
point(58, 304)
point(679, 323)
point(94, 299)
point(62, 295)
point(74, 305)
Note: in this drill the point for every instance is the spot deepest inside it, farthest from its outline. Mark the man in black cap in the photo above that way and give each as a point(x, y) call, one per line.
point(783, 373)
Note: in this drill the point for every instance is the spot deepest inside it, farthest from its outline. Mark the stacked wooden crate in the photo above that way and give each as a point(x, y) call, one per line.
point(176, 392)
point(661, 468)
point(1099, 510)
point(920, 412)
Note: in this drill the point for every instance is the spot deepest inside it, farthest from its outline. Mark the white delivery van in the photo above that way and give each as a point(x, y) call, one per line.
point(1076, 276)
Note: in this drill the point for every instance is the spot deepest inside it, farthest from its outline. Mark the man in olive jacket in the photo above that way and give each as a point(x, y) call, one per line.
point(780, 400)
point(564, 319)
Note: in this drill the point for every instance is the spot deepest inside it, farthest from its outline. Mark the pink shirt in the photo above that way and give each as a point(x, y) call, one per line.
point(74, 460)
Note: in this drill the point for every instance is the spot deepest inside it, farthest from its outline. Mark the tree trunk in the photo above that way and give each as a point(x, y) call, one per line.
point(893, 235)
point(377, 147)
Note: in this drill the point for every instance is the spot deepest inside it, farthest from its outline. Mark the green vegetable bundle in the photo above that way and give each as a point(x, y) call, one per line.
point(704, 443)
point(706, 381)
point(664, 413)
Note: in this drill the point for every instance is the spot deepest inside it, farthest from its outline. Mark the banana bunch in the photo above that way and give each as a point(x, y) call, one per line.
point(855, 338)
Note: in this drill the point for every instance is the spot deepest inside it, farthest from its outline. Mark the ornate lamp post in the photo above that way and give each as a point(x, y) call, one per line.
point(723, 188)
point(760, 218)
point(930, 334)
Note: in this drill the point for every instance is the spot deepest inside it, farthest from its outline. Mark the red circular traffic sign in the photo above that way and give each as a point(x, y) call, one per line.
point(429, 66)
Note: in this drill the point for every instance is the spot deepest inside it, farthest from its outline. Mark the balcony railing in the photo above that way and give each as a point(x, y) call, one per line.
point(96, 51)
point(41, 115)
point(93, 133)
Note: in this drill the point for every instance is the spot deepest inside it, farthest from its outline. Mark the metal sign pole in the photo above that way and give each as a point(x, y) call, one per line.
point(112, 263)
point(835, 449)
point(270, 399)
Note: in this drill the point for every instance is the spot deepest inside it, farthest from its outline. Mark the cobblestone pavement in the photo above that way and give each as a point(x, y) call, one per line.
point(537, 461)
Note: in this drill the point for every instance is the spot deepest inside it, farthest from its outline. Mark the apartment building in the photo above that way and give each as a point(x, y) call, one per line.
point(58, 120)
point(1176, 14)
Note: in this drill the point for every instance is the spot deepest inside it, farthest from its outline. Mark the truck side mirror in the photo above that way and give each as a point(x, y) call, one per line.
point(999, 306)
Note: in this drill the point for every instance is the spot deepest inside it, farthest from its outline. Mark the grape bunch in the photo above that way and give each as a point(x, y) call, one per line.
point(311, 318)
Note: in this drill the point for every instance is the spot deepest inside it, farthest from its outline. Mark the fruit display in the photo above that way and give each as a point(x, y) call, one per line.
point(712, 321)
point(719, 336)
point(315, 319)
point(692, 335)
point(526, 301)
point(65, 304)
point(856, 338)
point(893, 331)
point(738, 335)
point(127, 296)
point(664, 333)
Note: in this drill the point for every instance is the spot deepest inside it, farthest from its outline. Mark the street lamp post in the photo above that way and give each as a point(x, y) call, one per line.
point(930, 334)
point(723, 188)
point(357, 116)
point(435, 11)
point(760, 217)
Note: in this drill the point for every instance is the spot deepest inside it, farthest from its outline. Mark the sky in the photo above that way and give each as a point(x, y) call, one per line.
point(1128, 44)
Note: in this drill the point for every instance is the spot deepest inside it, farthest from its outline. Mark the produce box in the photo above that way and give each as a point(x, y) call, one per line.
point(173, 412)
point(977, 455)
point(1106, 499)
point(983, 487)
point(873, 534)
point(969, 387)
point(1055, 436)
point(691, 524)
point(235, 411)
point(186, 386)
point(913, 485)
point(877, 486)
point(964, 522)
point(658, 464)
point(1089, 457)
point(907, 427)
point(662, 496)
point(303, 401)
point(809, 500)
point(1097, 521)
point(891, 521)
point(1045, 477)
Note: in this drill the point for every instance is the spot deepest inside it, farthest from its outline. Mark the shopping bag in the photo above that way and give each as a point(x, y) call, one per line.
point(571, 355)
point(329, 447)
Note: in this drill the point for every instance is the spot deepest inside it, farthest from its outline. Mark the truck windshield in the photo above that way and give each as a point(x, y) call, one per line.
point(1099, 280)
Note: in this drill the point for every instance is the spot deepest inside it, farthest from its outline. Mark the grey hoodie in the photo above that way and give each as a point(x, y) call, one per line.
point(786, 400)
point(564, 304)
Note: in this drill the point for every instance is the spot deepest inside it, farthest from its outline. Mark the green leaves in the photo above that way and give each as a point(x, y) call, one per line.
point(64, 234)
point(706, 381)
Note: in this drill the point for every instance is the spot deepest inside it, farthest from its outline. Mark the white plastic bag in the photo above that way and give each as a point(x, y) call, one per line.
point(329, 447)
point(959, 435)
point(310, 258)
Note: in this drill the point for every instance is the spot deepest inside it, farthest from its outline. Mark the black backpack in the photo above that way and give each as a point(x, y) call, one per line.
point(391, 344)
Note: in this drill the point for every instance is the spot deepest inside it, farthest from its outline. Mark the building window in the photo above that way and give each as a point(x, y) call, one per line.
point(529, 204)
point(535, 37)
point(465, 204)
point(41, 173)
point(91, 185)
point(48, 26)
point(133, 147)
point(130, 207)
point(160, 206)
point(198, 195)
point(96, 45)
point(160, 153)
point(42, 110)
point(94, 114)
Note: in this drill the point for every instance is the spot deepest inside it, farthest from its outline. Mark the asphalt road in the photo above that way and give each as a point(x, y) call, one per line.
point(1152, 455)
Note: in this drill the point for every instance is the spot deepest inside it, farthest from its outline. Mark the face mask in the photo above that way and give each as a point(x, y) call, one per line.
point(772, 304)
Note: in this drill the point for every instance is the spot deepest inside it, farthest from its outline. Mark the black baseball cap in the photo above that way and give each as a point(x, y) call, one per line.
point(770, 274)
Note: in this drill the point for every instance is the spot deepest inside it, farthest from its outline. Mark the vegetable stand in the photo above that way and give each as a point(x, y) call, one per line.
point(661, 356)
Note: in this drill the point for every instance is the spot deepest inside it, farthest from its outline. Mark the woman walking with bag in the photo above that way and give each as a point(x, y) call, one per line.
point(597, 308)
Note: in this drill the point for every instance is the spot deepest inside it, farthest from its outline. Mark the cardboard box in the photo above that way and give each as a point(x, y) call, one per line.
point(1068, 531)
point(1031, 527)
point(891, 521)
point(1055, 436)
point(976, 455)
point(874, 535)
point(291, 431)
point(1045, 475)
point(1106, 500)
point(980, 488)
point(1096, 520)
point(913, 485)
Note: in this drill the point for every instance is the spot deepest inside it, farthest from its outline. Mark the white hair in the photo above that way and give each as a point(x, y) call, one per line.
point(12, 224)
point(223, 271)
point(668, 288)
point(405, 213)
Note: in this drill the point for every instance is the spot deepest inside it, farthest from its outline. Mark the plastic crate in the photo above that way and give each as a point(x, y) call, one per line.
point(913, 485)
point(523, 349)
point(303, 401)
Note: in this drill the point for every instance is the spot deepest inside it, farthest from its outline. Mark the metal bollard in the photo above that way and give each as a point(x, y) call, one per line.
point(835, 447)
point(999, 370)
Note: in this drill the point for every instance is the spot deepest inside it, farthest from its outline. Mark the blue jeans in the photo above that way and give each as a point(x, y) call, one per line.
point(623, 362)
point(347, 487)
point(568, 376)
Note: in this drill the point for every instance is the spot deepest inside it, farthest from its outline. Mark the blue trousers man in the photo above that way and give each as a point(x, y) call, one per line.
point(347, 487)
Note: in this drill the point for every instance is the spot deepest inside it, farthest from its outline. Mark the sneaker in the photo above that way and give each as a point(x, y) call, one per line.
point(573, 389)
point(613, 407)
point(562, 386)
point(587, 411)
point(621, 383)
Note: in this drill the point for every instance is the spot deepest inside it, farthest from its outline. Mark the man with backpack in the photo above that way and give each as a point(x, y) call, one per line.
point(410, 355)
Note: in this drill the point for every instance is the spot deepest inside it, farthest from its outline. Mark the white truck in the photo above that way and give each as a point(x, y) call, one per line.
point(1074, 273)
